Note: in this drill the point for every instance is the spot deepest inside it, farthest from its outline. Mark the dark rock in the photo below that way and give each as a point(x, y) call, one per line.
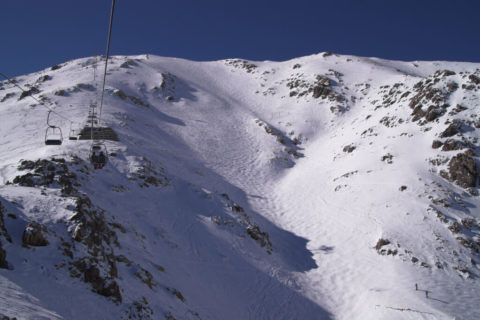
point(323, 80)
point(468, 223)
point(3, 258)
point(458, 108)
point(468, 87)
point(468, 243)
point(403, 188)
point(26, 165)
point(474, 79)
point(454, 227)
point(381, 242)
point(85, 86)
point(320, 91)
point(55, 67)
point(3, 230)
point(445, 73)
point(463, 171)
point(451, 130)
point(44, 78)
point(33, 235)
point(437, 144)
point(120, 94)
point(418, 113)
point(60, 93)
point(7, 96)
point(433, 112)
point(297, 65)
point(388, 158)
point(261, 237)
point(414, 260)
point(127, 64)
point(349, 148)
point(27, 93)
point(106, 288)
point(179, 295)
point(452, 86)
point(451, 145)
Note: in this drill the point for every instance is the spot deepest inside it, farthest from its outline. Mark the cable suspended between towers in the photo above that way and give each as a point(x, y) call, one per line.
point(98, 150)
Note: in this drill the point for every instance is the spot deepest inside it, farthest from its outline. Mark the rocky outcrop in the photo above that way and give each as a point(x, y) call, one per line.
point(453, 128)
point(103, 285)
point(29, 92)
point(462, 170)
point(473, 78)
point(34, 235)
point(3, 258)
point(98, 266)
point(452, 145)
point(241, 64)
point(122, 95)
point(3, 231)
point(45, 172)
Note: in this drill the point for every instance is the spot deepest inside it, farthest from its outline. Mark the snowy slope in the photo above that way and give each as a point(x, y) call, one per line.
point(323, 187)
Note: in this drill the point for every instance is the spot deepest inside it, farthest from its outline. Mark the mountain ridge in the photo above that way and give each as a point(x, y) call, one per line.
point(282, 190)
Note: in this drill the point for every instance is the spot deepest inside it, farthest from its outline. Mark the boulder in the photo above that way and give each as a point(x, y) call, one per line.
point(437, 144)
point(451, 145)
point(474, 79)
point(451, 130)
point(33, 235)
point(463, 170)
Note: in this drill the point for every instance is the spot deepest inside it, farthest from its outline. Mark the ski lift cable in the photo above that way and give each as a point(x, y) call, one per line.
point(106, 59)
point(38, 101)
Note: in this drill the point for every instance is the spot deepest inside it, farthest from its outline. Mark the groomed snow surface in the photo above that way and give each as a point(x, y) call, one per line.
point(273, 183)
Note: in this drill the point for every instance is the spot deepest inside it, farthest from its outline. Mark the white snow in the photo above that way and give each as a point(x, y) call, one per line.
point(324, 211)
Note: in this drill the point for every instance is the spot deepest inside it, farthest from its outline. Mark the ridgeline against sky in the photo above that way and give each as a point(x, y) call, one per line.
point(38, 34)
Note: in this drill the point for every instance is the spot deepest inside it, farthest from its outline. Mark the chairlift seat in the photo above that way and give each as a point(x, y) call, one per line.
point(53, 136)
point(53, 142)
point(98, 155)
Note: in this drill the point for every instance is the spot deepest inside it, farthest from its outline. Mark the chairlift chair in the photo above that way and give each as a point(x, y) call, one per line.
point(98, 155)
point(73, 134)
point(53, 134)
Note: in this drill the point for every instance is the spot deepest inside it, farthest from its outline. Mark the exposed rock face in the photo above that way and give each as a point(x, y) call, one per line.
point(463, 170)
point(27, 93)
point(381, 242)
point(3, 258)
point(349, 148)
point(100, 285)
point(3, 231)
point(436, 144)
point(451, 144)
point(451, 130)
point(98, 267)
point(46, 172)
point(33, 235)
point(474, 79)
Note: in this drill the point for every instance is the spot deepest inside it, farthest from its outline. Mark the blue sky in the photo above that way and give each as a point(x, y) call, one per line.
point(37, 34)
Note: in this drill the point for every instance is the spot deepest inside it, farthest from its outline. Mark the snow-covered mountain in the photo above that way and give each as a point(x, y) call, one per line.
point(324, 187)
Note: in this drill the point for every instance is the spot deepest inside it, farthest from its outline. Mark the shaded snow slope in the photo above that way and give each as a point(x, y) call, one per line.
point(324, 187)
